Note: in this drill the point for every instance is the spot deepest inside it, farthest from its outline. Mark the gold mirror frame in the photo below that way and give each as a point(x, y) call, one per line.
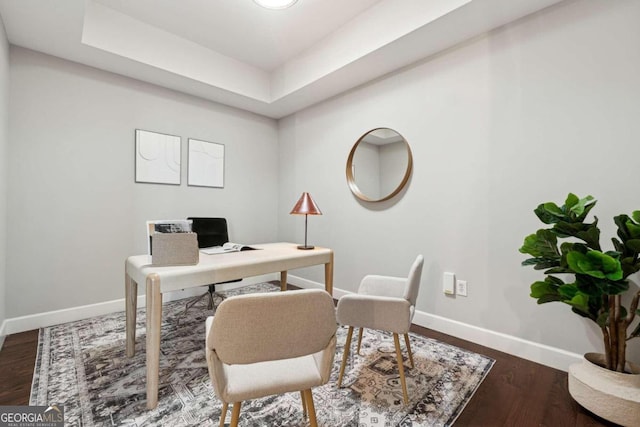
point(351, 179)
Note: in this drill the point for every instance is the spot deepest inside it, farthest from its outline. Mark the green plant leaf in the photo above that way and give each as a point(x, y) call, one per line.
point(629, 243)
point(613, 254)
point(571, 201)
point(636, 216)
point(554, 280)
point(545, 263)
point(627, 228)
point(595, 264)
point(621, 222)
point(630, 265)
point(579, 312)
point(566, 229)
point(542, 288)
point(588, 285)
point(558, 270)
point(541, 263)
point(568, 291)
point(623, 312)
point(548, 290)
point(581, 263)
point(610, 287)
point(634, 229)
point(553, 209)
point(543, 244)
point(603, 319)
point(549, 298)
point(633, 245)
point(591, 236)
point(578, 208)
point(587, 209)
point(580, 301)
point(618, 245)
point(567, 247)
point(549, 213)
point(589, 233)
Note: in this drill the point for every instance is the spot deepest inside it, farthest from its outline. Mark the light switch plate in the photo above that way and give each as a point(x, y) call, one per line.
point(448, 282)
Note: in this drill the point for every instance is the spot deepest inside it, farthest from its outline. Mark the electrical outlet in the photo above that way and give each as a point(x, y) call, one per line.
point(461, 288)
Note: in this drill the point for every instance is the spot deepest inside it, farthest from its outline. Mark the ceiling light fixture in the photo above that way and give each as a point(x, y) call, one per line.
point(275, 4)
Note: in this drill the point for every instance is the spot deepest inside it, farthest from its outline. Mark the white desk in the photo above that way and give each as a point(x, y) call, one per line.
point(270, 258)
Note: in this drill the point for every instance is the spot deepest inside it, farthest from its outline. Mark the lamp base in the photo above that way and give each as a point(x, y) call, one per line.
point(305, 247)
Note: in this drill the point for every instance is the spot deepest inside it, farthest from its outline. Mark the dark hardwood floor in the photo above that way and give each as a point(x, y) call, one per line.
point(17, 360)
point(516, 392)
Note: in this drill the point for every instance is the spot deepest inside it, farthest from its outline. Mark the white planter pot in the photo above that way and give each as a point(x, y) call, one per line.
point(611, 395)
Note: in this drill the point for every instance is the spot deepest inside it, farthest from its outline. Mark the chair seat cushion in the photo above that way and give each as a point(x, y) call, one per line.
point(268, 378)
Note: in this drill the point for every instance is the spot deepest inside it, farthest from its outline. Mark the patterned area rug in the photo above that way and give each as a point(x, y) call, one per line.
point(83, 366)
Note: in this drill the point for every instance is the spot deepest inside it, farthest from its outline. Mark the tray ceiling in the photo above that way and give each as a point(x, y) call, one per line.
point(270, 62)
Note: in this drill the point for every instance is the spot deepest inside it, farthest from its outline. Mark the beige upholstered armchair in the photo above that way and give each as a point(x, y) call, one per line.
point(264, 344)
point(383, 303)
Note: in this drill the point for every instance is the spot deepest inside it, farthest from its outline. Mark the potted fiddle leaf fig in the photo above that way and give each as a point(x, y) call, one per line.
point(577, 272)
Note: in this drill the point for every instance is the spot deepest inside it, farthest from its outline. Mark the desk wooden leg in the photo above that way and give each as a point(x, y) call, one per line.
point(131, 304)
point(328, 275)
point(283, 280)
point(154, 323)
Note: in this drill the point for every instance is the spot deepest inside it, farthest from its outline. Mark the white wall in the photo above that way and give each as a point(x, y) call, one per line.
point(74, 211)
point(4, 162)
point(545, 106)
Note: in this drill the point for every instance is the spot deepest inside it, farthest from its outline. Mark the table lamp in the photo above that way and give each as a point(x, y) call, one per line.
point(305, 206)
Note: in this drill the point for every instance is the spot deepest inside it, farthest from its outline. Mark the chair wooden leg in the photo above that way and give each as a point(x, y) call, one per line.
point(360, 332)
point(304, 404)
point(223, 415)
point(406, 341)
point(403, 381)
point(235, 415)
point(345, 355)
point(311, 408)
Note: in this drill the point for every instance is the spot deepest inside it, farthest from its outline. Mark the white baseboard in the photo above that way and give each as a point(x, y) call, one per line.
point(533, 351)
point(41, 320)
point(2, 333)
point(539, 353)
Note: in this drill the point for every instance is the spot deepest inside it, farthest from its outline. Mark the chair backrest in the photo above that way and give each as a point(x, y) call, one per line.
point(272, 326)
point(210, 231)
point(413, 281)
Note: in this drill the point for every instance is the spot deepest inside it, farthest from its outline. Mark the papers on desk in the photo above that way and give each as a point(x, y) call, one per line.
point(166, 226)
point(226, 248)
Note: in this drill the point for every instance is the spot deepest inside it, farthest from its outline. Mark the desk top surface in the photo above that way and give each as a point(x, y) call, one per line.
point(267, 258)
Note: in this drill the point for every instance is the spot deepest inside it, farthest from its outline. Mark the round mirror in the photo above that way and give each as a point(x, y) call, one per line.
point(379, 165)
